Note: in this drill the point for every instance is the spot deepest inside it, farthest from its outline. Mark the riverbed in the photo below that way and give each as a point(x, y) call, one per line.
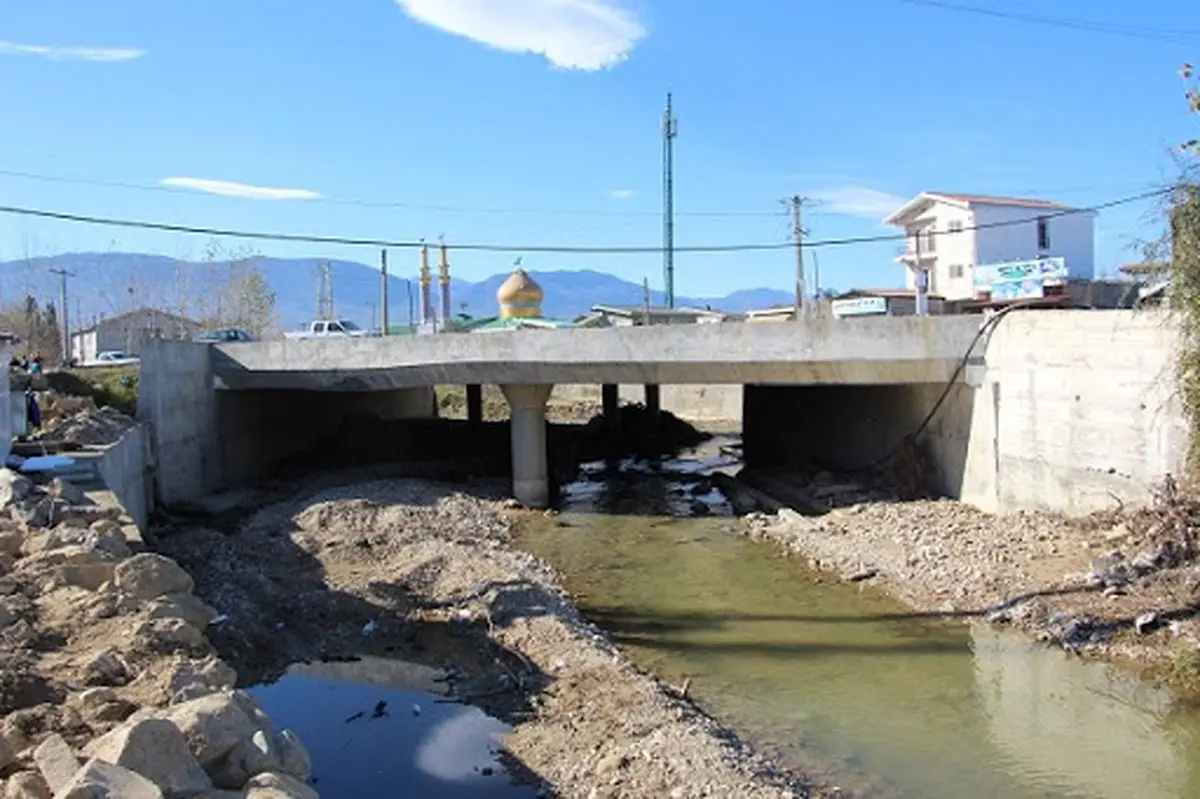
point(837, 679)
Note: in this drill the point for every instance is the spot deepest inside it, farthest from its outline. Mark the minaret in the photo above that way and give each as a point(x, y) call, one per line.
point(444, 280)
point(425, 280)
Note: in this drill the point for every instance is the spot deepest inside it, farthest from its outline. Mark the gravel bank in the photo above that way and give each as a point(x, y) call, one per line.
point(1119, 585)
point(428, 571)
point(108, 686)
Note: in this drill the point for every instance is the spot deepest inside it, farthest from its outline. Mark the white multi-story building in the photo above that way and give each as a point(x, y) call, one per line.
point(949, 235)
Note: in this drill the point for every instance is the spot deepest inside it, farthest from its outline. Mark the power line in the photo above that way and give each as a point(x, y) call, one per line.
point(543, 248)
point(1129, 31)
point(449, 209)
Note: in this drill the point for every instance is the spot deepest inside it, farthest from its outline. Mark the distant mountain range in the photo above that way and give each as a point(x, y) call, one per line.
point(105, 284)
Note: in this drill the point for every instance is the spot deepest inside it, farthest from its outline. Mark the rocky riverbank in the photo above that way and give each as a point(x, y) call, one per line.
point(108, 685)
point(423, 572)
point(1119, 585)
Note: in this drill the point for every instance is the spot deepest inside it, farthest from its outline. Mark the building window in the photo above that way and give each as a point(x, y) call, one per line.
point(956, 271)
point(955, 226)
point(1043, 233)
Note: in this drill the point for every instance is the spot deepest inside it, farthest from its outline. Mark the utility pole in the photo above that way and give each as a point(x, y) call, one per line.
point(646, 299)
point(383, 289)
point(63, 274)
point(324, 290)
point(801, 299)
point(816, 276)
point(669, 131)
point(408, 289)
point(920, 279)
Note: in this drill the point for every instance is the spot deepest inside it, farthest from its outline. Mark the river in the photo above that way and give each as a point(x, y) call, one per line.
point(838, 680)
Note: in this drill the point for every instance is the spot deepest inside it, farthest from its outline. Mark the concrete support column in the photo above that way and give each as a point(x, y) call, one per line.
point(531, 474)
point(610, 398)
point(474, 403)
point(653, 399)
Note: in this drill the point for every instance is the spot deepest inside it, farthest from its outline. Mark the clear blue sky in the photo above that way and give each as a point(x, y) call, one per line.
point(488, 120)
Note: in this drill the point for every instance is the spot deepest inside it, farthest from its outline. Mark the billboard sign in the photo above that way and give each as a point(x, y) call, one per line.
point(1019, 280)
point(859, 306)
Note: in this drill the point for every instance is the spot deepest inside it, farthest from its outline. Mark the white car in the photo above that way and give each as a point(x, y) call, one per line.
point(325, 328)
point(113, 358)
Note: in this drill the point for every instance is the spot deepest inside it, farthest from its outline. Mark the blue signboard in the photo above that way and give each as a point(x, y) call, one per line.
point(1018, 280)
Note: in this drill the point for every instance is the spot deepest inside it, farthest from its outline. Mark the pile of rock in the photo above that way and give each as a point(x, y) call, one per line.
point(108, 685)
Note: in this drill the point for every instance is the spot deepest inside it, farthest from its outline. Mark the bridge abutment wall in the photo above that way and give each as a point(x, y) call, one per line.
point(1068, 411)
point(206, 439)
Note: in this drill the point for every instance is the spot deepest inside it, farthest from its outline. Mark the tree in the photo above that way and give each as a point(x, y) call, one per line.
point(1192, 93)
point(251, 301)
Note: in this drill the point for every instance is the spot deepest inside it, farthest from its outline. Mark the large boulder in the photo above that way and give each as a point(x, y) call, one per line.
point(56, 761)
point(100, 780)
point(149, 576)
point(278, 786)
point(212, 725)
point(11, 542)
point(169, 635)
point(13, 487)
point(108, 668)
point(189, 607)
point(189, 678)
point(249, 758)
point(156, 749)
point(293, 755)
point(26, 785)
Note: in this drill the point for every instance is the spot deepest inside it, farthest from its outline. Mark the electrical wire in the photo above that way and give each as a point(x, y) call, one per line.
point(1128, 31)
point(449, 209)
point(984, 329)
point(483, 210)
point(543, 248)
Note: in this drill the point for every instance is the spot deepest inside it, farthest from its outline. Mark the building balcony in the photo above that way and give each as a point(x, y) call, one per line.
point(908, 254)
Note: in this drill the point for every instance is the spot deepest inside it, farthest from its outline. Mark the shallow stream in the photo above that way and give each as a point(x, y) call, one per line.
point(837, 680)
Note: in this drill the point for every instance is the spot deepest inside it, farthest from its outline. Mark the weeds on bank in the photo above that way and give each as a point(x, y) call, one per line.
point(116, 387)
point(1185, 300)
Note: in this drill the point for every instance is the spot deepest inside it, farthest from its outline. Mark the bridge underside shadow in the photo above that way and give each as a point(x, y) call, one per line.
point(851, 428)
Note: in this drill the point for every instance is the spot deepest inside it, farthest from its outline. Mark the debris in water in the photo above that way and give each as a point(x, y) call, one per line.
point(380, 710)
point(416, 710)
point(369, 628)
point(355, 717)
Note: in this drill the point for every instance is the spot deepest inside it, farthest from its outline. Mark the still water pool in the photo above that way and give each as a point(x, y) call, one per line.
point(840, 681)
point(376, 730)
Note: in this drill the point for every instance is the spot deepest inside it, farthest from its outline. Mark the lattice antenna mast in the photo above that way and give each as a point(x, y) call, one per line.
point(669, 131)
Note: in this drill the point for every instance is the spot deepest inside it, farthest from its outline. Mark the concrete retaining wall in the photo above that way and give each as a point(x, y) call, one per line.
point(1076, 410)
point(123, 468)
point(697, 403)
point(177, 402)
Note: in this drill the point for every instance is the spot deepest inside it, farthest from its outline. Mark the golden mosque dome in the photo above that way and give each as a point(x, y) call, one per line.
point(520, 295)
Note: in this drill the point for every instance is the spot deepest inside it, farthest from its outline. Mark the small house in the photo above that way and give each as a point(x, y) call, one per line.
point(129, 332)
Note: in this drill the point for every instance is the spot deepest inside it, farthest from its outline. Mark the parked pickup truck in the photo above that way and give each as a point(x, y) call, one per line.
point(324, 328)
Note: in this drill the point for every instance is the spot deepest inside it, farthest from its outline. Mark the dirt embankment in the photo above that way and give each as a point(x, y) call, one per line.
point(419, 571)
point(1124, 586)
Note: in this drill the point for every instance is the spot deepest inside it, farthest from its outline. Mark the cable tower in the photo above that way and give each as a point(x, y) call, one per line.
point(669, 131)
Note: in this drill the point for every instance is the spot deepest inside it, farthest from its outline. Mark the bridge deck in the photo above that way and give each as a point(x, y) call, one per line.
point(826, 351)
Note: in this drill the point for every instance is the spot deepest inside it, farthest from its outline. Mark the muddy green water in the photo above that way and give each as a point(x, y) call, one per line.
point(838, 681)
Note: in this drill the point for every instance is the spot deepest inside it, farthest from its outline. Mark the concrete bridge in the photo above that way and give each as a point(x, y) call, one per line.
point(1036, 422)
point(222, 412)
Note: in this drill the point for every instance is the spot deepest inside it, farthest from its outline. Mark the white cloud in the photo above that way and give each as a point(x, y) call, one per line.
point(571, 34)
point(858, 201)
point(102, 54)
point(621, 194)
point(227, 188)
